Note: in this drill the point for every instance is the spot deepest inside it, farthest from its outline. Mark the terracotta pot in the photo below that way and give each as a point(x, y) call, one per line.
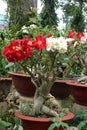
point(60, 89)
point(25, 87)
point(5, 85)
point(79, 92)
point(33, 123)
point(23, 84)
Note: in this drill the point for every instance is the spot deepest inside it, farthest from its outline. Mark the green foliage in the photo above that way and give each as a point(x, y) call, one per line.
point(80, 120)
point(74, 14)
point(77, 22)
point(48, 14)
point(20, 13)
point(58, 123)
point(4, 124)
point(8, 119)
point(69, 9)
point(82, 124)
point(82, 113)
point(17, 124)
point(33, 31)
point(3, 61)
point(8, 116)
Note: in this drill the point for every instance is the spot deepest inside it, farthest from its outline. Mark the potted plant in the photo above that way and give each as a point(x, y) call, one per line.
point(41, 59)
point(78, 86)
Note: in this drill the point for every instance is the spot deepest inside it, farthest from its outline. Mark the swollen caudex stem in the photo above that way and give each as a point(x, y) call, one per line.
point(45, 102)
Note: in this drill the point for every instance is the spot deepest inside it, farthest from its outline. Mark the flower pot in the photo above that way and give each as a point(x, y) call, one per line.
point(25, 87)
point(79, 92)
point(23, 84)
point(5, 85)
point(60, 89)
point(38, 123)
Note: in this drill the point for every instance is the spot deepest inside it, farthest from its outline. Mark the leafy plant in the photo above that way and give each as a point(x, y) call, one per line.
point(4, 124)
point(80, 120)
point(17, 124)
point(82, 114)
point(58, 123)
point(48, 18)
point(5, 36)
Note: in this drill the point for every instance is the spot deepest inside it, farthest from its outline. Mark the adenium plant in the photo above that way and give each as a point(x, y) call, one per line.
point(41, 59)
point(78, 42)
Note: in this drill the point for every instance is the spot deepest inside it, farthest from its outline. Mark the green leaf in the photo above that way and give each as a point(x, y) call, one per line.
point(4, 124)
point(81, 125)
point(17, 122)
point(9, 65)
point(62, 114)
point(52, 126)
point(53, 119)
point(64, 125)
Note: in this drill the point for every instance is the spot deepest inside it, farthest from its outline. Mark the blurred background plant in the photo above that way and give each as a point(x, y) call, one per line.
point(80, 120)
point(3, 61)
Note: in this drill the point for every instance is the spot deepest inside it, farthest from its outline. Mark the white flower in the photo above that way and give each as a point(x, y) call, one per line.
point(70, 40)
point(62, 46)
point(52, 44)
point(59, 44)
point(32, 26)
point(24, 29)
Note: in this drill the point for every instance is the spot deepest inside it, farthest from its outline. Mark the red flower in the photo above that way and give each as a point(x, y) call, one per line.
point(39, 42)
point(18, 55)
point(7, 52)
point(17, 50)
point(72, 34)
point(80, 34)
point(26, 47)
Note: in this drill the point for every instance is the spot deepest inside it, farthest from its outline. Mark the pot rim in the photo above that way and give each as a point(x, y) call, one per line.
point(19, 74)
point(75, 83)
point(18, 114)
point(5, 78)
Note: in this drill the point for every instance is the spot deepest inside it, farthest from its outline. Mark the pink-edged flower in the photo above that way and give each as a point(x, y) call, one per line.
point(83, 39)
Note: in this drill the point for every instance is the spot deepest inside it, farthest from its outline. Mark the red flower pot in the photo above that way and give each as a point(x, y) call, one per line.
point(79, 92)
point(38, 123)
point(23, 84)
point(60, 89)
point(5, 85)
point(25, 87)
